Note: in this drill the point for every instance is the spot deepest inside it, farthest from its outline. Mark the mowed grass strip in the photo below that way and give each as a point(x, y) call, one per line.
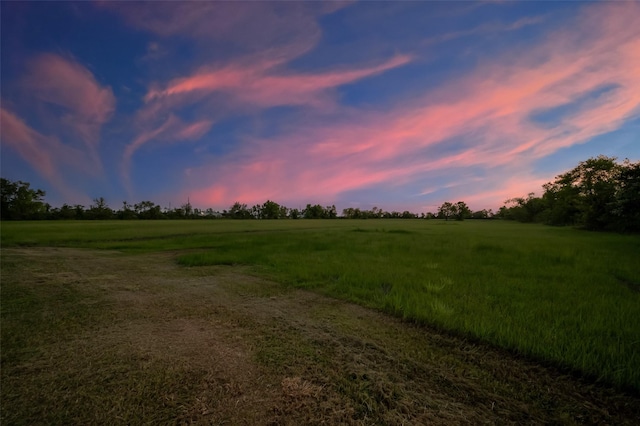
point(555, 294)
point(98, 337)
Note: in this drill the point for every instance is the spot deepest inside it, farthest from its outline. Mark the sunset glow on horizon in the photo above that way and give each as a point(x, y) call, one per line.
point(399, 105)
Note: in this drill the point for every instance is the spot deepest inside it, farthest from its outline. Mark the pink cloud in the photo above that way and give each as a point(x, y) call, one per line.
point(518, 186)
point(297, 89)
point(46, 154)
point(266, 34)
point(27, 142)
point(53, 79)
point(54, 82)
point(254, 85)
point(223, 79)
point(193, 131)
point(488, 112)
point(259, 85)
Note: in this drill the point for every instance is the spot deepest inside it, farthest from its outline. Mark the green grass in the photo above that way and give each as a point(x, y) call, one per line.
point(555, 294)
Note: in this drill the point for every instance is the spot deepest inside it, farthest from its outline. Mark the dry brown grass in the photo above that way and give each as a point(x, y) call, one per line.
point(100, 338)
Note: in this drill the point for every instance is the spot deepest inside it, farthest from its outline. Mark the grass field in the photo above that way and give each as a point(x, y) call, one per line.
point(104, 337)
point(563, 296)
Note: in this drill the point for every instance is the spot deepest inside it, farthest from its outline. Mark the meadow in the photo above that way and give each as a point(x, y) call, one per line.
point(560, 296)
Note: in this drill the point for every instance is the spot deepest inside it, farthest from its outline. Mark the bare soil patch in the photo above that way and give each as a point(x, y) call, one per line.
point(95, 337)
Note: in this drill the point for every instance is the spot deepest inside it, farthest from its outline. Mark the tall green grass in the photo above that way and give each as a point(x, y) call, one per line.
point(557, 294)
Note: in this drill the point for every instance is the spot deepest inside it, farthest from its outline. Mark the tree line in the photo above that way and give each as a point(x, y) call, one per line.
point(599, 194)
point(21, 202)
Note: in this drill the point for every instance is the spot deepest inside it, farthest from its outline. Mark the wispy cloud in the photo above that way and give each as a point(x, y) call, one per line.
point(29, 143)
point(485, 29)
point(248, 82)
point(294, 103)
point(482, 119)
point(261, 86)
point(173, 129)
point(267, 29)
point(67, 108)
point(69, 99)
point(43, 153)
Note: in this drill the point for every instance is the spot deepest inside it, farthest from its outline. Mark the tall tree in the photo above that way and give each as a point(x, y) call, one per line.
point(149, 210)
point(19, 202)
point(99, 210)
point(127, 212)
point(239, 211)
point(585, 194)
point(530, 209)
point(294, 213)
point(67, 212)
point(447, 210)
point(270, 210)
point(314, 212)
point(462, 211)
point(627, 203)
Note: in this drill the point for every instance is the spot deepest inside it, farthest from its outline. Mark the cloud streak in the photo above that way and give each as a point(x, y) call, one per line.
point(326, 102)
point(69, 99)
point(70, 107)
point(249, 83)
point(28, 143)
point(486, 113)
point(46, 154)
point(271, 30)
point(258, 85)
point(172, 130)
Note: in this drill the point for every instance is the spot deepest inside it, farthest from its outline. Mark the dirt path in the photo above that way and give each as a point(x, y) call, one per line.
point(99, 337)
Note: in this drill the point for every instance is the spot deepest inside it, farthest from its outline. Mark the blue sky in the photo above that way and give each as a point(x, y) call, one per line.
point(399, 105)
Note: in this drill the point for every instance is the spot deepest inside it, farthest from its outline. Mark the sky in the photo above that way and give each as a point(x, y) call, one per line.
point(397, 105)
